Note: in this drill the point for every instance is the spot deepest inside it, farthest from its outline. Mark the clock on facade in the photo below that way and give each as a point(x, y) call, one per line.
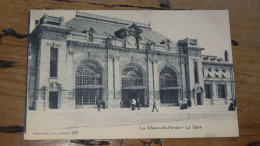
point(131, 40)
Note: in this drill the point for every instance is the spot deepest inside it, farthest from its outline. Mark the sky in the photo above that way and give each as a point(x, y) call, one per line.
point(210, 27)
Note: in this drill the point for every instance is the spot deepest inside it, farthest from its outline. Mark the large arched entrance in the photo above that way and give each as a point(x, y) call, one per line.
point(169, 89)
point(132, 86)
point(88, 84)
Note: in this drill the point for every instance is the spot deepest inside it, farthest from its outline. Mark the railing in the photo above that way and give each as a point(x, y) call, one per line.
point(128, 82)
point(105, 18)
point(189, 41)
point(52, 19)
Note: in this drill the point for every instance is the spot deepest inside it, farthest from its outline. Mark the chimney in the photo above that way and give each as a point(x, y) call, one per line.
point(226, 55)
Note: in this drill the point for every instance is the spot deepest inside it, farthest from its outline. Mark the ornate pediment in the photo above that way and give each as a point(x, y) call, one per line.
point(90, 30)
point(132, 29)
point(130, 36)
point(121, 33)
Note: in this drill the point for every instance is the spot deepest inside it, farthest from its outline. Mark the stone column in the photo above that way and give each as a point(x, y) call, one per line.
point(69, 83)
point(214, 93)
point(193, 95)
point(46, 99)
point(183, 83)
point(151, 79)
point(114, 82)
point(39, 103)
point(211, 94)
point(118, 87)
point(110, 81)
point(228, 95)
point(64, 103)
point(156, 80)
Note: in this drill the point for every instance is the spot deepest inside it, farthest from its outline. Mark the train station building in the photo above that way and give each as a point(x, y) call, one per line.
point(90, 58)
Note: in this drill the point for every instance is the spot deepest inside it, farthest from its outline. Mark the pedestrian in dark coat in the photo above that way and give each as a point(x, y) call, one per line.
point(138, 105)
point(121, 104)
point(189, 103)
point(154, 106)
point(98, 104)
point(232, 105)
point(103, 104)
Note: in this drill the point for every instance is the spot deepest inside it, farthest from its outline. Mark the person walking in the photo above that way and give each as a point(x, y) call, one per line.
point(103, 104)
point(154, 106)
point(138, 104)
point(189, 103)
point(121, 104)
point(133, 104)
point(98, 104)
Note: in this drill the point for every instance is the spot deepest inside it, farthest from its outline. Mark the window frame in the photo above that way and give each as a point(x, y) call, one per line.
point(53, 62)
point(224, 90)
point(196, 72)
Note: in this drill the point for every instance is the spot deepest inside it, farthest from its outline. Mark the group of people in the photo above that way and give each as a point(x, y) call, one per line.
point(101, 104)
point(185, 104)
point(135, 104)
point(232, 105)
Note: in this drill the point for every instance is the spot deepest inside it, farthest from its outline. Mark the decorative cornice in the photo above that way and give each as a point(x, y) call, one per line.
point(51, 19)
point(217, 63)
point(217, 80)
point(81, 44)
point(110, 19)
point(53, 44)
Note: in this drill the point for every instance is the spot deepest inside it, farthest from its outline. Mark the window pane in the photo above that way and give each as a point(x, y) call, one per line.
point(208, 91)
point(221, 91)
point(196, 75)
point(53, 62)
point(168, 78)
point(131, 77)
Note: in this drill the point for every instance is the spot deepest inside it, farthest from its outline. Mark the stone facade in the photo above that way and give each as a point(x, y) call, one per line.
point(111, 60)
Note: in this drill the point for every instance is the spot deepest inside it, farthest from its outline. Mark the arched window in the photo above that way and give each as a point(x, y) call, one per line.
point(132, 76)
point(132, 86)
point(88, 73)
point(168, 95)
point(88, 85)
point(168, 78)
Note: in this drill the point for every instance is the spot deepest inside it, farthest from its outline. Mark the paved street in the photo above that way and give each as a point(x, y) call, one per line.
point(80, 118)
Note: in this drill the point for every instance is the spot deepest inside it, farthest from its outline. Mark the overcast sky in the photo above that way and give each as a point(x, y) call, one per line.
point(210, 28)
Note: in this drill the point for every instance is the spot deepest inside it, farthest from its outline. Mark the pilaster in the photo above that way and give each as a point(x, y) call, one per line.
point(40, 103)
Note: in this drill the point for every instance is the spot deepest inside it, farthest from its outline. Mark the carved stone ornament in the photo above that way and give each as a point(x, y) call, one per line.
point(199, 89)
point(53, 44)
point(55, 85)
point(70, 52)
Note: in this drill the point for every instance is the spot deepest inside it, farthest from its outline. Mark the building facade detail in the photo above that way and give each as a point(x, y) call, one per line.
point(92, 58)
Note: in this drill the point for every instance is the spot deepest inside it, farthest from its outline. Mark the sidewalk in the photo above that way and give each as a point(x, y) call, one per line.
point(199, 109)
point(92, 118)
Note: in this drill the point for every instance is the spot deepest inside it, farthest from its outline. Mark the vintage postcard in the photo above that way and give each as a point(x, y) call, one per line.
point(129, 74)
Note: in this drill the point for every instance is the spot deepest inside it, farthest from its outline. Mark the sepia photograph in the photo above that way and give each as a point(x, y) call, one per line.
point(124, 74)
